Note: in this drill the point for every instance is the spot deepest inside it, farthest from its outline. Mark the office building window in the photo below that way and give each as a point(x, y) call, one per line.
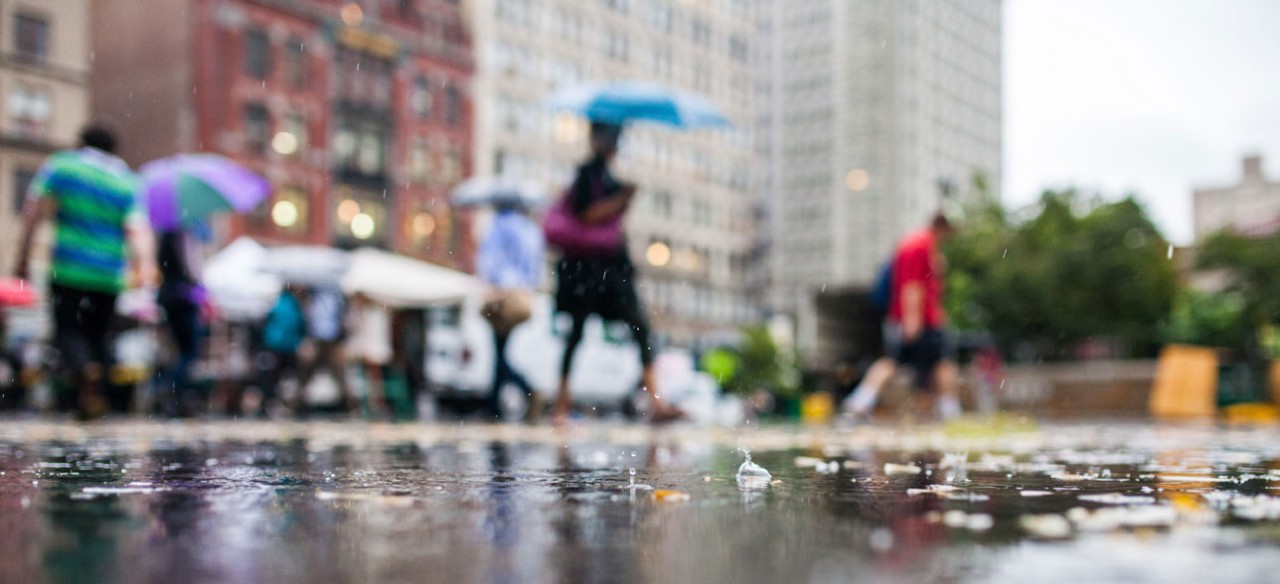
point(30, 110)
point(31, 37)
point(257, 54)
point(257, 128)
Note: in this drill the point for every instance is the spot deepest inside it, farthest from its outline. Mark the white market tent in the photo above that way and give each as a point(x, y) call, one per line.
point(404, 282)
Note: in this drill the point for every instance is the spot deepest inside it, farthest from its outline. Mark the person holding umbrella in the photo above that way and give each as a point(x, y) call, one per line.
point(91, 196)
point(180, 192)
point(602, 281)
point(595, 276)
point(510, 261)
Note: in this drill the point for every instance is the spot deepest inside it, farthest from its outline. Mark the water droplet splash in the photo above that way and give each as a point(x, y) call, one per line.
point(751, 475)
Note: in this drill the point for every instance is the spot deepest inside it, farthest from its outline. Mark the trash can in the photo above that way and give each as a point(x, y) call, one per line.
point(1240, 383)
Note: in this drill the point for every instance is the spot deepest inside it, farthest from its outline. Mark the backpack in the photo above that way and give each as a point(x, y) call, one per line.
point(882, 290)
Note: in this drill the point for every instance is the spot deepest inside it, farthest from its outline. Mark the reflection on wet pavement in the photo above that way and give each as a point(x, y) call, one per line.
point(240, 502)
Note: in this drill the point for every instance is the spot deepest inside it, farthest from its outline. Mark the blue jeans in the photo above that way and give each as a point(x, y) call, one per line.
point(502, 373)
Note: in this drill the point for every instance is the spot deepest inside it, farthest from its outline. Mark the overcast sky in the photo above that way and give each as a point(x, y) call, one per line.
point(1152, 97)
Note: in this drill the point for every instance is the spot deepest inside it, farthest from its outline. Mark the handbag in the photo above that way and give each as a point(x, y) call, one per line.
point(565, 231)
point(505, 309)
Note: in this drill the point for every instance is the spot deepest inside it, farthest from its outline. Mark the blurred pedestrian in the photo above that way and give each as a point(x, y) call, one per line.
point(282, 334)
point(913, 331)
point(370, 346)
point(91, 196)
point(510, 261)
point(326, 316)
point(603, 282)
point(181, 297)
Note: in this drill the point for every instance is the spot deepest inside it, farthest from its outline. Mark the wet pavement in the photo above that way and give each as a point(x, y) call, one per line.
point(327, 502)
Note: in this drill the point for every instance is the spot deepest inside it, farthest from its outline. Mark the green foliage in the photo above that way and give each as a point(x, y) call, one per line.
point(1252, 266)
point(761, 364)
point(1212, 320)
point(1079, 269)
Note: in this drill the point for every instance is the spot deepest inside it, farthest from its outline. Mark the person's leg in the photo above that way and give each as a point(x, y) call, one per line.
point(500, 369)
point(97, 311)
point(864, 396)
point(563, 401)
point(377, 395)
point(946, 379)
point(72, 347)
point(183, 322)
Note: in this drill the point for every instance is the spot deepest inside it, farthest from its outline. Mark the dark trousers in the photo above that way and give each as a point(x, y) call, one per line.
point(634, 319)
point(503, 373)
point(82, 334)
point(282, 363)
point(183, 319)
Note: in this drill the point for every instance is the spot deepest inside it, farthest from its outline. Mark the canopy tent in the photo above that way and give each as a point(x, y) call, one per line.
point(404, 282)
point(236, 285)
point(307, 265)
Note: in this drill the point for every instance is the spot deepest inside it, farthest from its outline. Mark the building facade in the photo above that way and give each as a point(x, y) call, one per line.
point(357, 111)
point(44, 78)
point(1252, 205)
point(874, 116)
point(691, 230)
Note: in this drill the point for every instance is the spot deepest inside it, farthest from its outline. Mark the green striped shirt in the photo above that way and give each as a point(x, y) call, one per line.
point(96, 199)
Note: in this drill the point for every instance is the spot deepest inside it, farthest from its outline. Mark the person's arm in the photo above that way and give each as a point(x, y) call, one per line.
point(912, 309)
point(34, 213)
point(608, 208)
point(142, 245)
point(914, 269)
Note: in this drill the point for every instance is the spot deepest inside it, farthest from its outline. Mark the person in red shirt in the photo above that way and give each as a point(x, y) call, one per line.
point(913, 327)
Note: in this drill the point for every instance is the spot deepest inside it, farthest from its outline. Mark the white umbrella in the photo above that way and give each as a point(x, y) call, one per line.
point(492, 190)
point(403, 282)
point(235, 283)
point(307, 265)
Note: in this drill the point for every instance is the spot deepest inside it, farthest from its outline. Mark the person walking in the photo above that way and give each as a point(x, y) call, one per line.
point(326, 311)
point(181, 297)
point(603, 283)
point(282, 334)
point(913, 328)
point(370, 346)
point(510, 261)
point(91, 195)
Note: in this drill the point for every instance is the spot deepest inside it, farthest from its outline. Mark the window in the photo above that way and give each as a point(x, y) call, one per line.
point(29, 111)
point(700, 32)
point(451, 166)
point(257, 128)
point(616, 45)
point(660, 16)
point(31, 37)
point(419, 162)
point(297, 63)
point(293, 136)
point(22, 178)
point(738, 49)
point(453, 106)
point(360, 148)
point(620, 6)
point(420, 99)
point(257, 54)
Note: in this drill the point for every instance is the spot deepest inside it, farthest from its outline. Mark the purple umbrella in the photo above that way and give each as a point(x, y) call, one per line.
point(188, 187)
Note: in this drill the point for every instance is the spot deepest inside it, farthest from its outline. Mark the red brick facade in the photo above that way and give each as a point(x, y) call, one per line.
point(357, 111)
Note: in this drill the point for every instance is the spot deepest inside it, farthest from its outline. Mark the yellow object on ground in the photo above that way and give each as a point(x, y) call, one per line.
point(1186, 384)
point(670, 495)
point(1255, 413)
point(817, 408)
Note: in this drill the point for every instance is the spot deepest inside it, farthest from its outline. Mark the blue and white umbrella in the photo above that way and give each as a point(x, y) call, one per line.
point(626, 101)
point(497, 190)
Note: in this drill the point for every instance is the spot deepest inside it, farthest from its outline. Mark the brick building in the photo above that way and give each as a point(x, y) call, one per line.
point(356, 110)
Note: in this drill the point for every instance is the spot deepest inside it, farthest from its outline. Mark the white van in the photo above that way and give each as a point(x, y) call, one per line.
point(606, 369)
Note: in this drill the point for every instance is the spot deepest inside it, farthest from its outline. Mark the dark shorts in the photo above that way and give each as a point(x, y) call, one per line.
point(82, 326)
point(922, 355)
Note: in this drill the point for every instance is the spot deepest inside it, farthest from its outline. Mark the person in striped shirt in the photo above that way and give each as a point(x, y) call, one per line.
point(91, 195)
